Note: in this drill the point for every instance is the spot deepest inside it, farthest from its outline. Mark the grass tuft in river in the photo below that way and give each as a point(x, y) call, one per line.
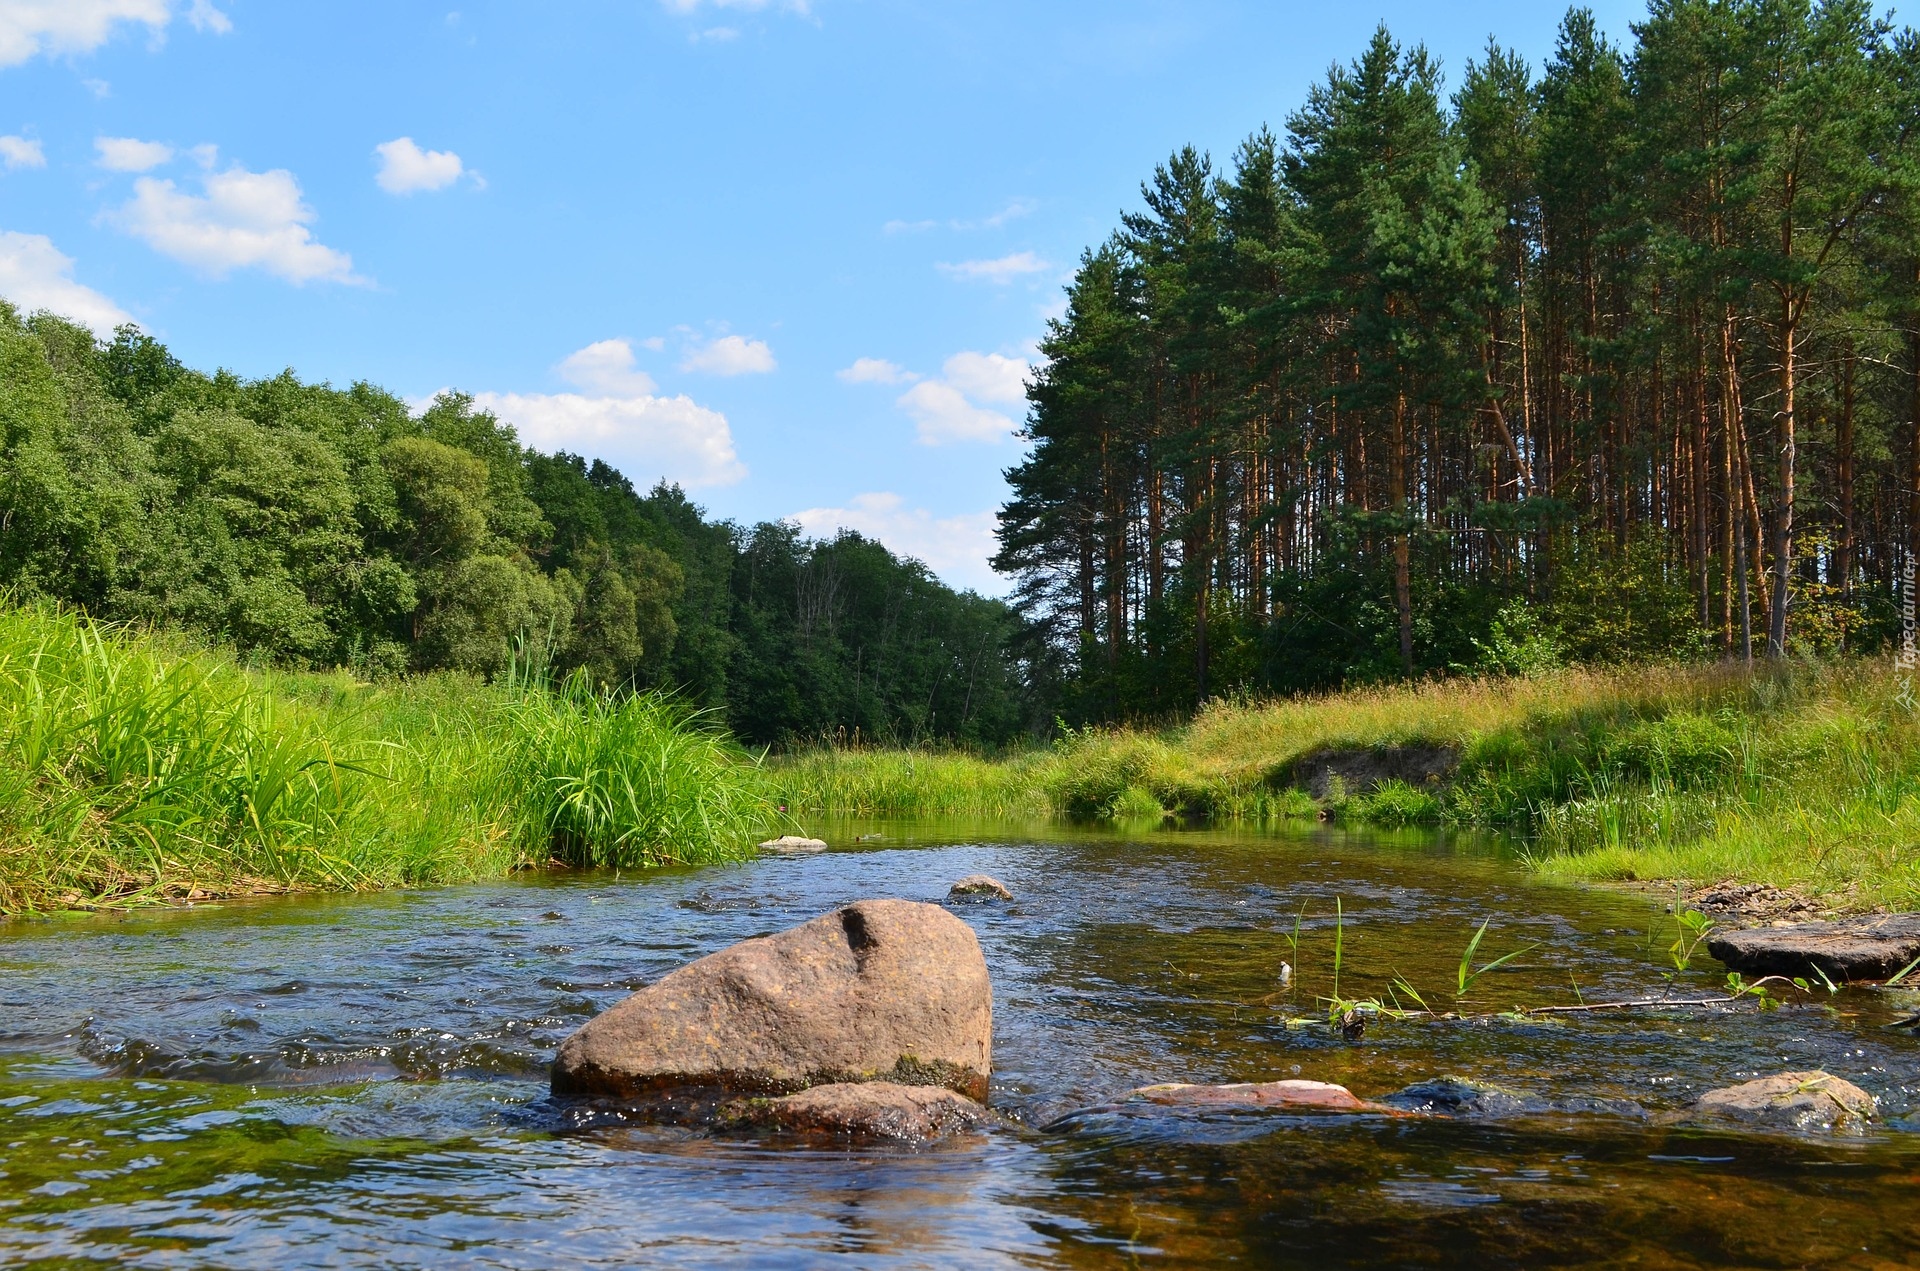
point(137, 768)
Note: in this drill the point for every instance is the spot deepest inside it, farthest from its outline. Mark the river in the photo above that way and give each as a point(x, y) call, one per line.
point(361, 1080)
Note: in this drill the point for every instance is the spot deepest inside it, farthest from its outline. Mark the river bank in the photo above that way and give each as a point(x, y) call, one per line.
point(1804, 777)
point(138, 768)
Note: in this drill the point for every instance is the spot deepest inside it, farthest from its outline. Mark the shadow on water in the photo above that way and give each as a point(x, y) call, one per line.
point(361, 1080)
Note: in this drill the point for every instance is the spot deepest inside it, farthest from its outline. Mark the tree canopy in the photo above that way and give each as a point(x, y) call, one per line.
point(312, 526)
point(1624, 355)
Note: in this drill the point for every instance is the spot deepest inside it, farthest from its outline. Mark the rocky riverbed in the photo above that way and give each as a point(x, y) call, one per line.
point(340, 1081)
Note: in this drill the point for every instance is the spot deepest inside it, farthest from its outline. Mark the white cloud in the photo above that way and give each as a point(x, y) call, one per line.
point(949, 408)
point(955, 547)
point(988, 377)
point(644, 436)
point(1011, 212)
point(207, 18)
point(941, 413)
point(244, 220)
point(801, 7)
point(405, 168)
point(28, 27)
point(606, 367)
point(32, 27)
point(34, 274)
point(130, 154)
point(730, 355)
point(875, 370)
point(19, 152)
point(1000, 271)
point(716, 35)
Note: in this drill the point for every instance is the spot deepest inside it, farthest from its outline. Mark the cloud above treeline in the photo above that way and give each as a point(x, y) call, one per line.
point(957, 548)
point(729, 355)
point(34, 274)
point(959, 404)
point(618, 416)
point(237, 220)
point(999, 271)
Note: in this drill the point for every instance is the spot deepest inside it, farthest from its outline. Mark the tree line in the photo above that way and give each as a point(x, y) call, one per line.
point(310, 526)
point(1617, 360)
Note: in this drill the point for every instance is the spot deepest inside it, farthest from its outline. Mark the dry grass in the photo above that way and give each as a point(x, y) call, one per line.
point(1804, 776)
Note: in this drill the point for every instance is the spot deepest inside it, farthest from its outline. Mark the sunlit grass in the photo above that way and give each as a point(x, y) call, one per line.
point(1803, 775)
point(137, 768)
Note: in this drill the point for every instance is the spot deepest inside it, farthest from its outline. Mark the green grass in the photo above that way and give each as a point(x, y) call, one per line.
point(1802, 775)
point(138, 768)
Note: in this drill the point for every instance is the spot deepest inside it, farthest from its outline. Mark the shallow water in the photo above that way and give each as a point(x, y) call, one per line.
point(361, 1080)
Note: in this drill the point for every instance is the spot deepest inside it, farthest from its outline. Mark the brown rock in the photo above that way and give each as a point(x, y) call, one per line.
point(879, 990)
point(1790, 1101)
point(869, 1110)
point(1256, 1094)
point(974, 885)
point(1852, 949)
point(793, 843)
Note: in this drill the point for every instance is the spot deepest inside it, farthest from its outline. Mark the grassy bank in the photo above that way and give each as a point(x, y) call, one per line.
point(136, 768)
point(1803, 776)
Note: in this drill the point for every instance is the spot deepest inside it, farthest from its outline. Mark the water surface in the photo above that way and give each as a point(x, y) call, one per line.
point(362, 1080)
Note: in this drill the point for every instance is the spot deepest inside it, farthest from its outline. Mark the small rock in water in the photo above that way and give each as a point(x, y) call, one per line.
point(979, 885)
point(1254, 1094)
point(1286, 973)
point(1871, 948)
point(1752, 901)
point(1353, 1025)
point(868, 838)
point(868, 1110)
point(1816, 1101)
point(1465, 1097)
point(793, 843)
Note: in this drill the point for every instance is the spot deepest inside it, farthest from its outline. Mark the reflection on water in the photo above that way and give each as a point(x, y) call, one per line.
point(361, 1080)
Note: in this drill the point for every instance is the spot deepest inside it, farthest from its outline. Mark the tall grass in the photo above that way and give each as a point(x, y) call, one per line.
point(630, 782)
point(1802, 775)
point(135, 767)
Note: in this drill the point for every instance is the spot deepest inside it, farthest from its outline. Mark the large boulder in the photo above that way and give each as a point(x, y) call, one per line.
point(882, 990)
point(868, 1110)
point(1852, 949)
point(1803, 1101)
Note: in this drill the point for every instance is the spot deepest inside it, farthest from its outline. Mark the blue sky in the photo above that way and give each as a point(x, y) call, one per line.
point(792, 253)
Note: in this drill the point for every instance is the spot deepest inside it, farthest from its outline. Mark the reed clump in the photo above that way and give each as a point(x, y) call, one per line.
point(137, 768)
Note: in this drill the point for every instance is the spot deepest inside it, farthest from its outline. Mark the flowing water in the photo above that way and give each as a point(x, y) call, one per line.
point(362, 1080)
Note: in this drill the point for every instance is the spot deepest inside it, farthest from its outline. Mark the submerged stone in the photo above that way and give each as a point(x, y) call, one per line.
point(1253, 1094)
point(879, 990)
point(1872, 948)
point(1806, 1101)
point(867, 1110)
point(979, 887)
point(793, 843)
point(1461, 1097)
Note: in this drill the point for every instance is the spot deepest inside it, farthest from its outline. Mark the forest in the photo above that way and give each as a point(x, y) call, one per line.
point(300, 525)
point(1612, 362)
